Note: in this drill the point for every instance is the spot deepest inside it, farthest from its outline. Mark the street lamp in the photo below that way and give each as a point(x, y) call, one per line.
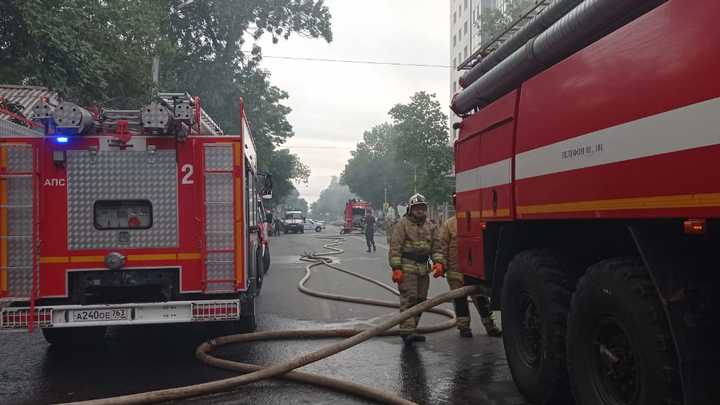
point(414, 166)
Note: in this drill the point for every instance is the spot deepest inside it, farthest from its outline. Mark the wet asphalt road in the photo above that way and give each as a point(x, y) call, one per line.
point(444, 370)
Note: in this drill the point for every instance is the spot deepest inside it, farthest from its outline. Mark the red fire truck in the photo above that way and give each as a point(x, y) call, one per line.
point(588, 197)
point(128, 217)
point(355, 216)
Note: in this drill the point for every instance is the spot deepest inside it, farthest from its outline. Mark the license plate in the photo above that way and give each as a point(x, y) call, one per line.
point(101, 315)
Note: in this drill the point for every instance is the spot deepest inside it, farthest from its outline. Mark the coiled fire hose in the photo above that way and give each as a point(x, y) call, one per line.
point(285, 369)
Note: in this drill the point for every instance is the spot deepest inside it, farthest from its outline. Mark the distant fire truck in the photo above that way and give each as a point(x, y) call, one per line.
point(588, 196)
point(355, 215)
point(128, 217)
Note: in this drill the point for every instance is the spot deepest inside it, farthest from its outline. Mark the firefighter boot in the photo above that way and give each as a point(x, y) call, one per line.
point(413, 337)
point(466, 333)
point(490, 327)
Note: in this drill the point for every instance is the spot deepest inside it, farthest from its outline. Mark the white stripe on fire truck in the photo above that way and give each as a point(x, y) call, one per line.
point(693, 126)
point(493, 174)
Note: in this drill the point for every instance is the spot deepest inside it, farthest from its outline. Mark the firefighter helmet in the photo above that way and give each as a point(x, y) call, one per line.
point(416, 199)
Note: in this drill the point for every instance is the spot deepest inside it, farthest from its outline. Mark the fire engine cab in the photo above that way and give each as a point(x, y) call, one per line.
point(588, 197)
point(128, 217)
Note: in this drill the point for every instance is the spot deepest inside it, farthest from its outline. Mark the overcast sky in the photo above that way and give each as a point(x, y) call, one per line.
point(334, 103)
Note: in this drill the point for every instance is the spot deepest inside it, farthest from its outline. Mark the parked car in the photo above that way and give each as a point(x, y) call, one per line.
point(311, 224)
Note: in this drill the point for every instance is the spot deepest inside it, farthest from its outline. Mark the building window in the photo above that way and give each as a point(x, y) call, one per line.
point(454, 18)
point(454, 63)
point(466, 1)
point(454, 40)
point(465, 52)
point(459, 35)
point(459, 11)
point(465, 28)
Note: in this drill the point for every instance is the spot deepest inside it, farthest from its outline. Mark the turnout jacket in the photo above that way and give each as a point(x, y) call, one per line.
point(412, 244)
point(449, 248)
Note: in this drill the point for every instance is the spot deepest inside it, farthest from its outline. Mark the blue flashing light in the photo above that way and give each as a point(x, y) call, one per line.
point(62, 139)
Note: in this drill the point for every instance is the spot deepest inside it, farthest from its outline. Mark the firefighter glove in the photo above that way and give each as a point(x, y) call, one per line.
point(397, 276)
point(438, 270)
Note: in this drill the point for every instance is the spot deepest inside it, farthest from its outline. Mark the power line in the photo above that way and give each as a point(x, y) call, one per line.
point(364, 62)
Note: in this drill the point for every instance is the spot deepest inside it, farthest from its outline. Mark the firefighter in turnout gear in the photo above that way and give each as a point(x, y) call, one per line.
point(455, 279)
point(414, 240)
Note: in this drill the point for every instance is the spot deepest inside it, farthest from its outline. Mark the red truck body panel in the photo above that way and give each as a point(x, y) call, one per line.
point(625, 128)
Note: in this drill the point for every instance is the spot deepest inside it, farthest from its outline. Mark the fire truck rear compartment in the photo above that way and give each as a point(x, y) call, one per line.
point(126, 286)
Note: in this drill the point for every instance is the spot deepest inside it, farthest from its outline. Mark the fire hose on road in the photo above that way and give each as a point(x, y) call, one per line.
point(285, 369)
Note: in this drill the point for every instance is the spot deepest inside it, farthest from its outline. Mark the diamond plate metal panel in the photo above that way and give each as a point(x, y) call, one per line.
point(219, 218)
point(20, 191)
point(122, 175)
point(20, 221)
point(219, 187)
point(19, 158)
point(219, 157)
point(20, 251)
point(219, 240)
point(220, 266)
point(221, 287)
point(20, 281)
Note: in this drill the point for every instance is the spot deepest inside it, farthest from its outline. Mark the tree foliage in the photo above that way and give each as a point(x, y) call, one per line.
point(493, 21)
point(331, 203)
point(416, 140)
point(101, 51)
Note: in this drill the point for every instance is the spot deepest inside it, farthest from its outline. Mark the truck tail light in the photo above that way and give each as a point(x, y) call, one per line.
point(695, 226)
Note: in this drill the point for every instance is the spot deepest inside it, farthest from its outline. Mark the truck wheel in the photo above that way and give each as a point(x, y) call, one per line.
point(247, 321)
point(259, 271)
point(92, 335)
point(619, 347)
point(535, 302)
point(266, 259)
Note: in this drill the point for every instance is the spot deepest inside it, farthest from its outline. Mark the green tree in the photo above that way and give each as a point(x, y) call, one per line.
point(423, 143)
point(493, 21)
point(375, 168)
point(392, 153)
point(94, 51)
point(331, 203)
point(87, 50)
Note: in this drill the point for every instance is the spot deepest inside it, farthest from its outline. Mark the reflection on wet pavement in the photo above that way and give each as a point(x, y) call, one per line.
point(444, 370)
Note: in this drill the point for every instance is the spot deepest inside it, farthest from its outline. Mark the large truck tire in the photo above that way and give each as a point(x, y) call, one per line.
point(535, 303)
point(619, 346)
point(266, 260)
point(259, 271)
point(247, 322)
point(87, 336)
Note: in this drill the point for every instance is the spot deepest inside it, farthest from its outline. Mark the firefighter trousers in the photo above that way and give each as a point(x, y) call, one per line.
point(462, 309)
point(413, 290)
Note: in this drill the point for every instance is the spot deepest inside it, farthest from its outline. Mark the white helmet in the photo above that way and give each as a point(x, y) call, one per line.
point(416, 199)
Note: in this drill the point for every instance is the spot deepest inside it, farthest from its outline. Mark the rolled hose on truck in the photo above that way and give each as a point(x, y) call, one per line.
point(285, 369)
